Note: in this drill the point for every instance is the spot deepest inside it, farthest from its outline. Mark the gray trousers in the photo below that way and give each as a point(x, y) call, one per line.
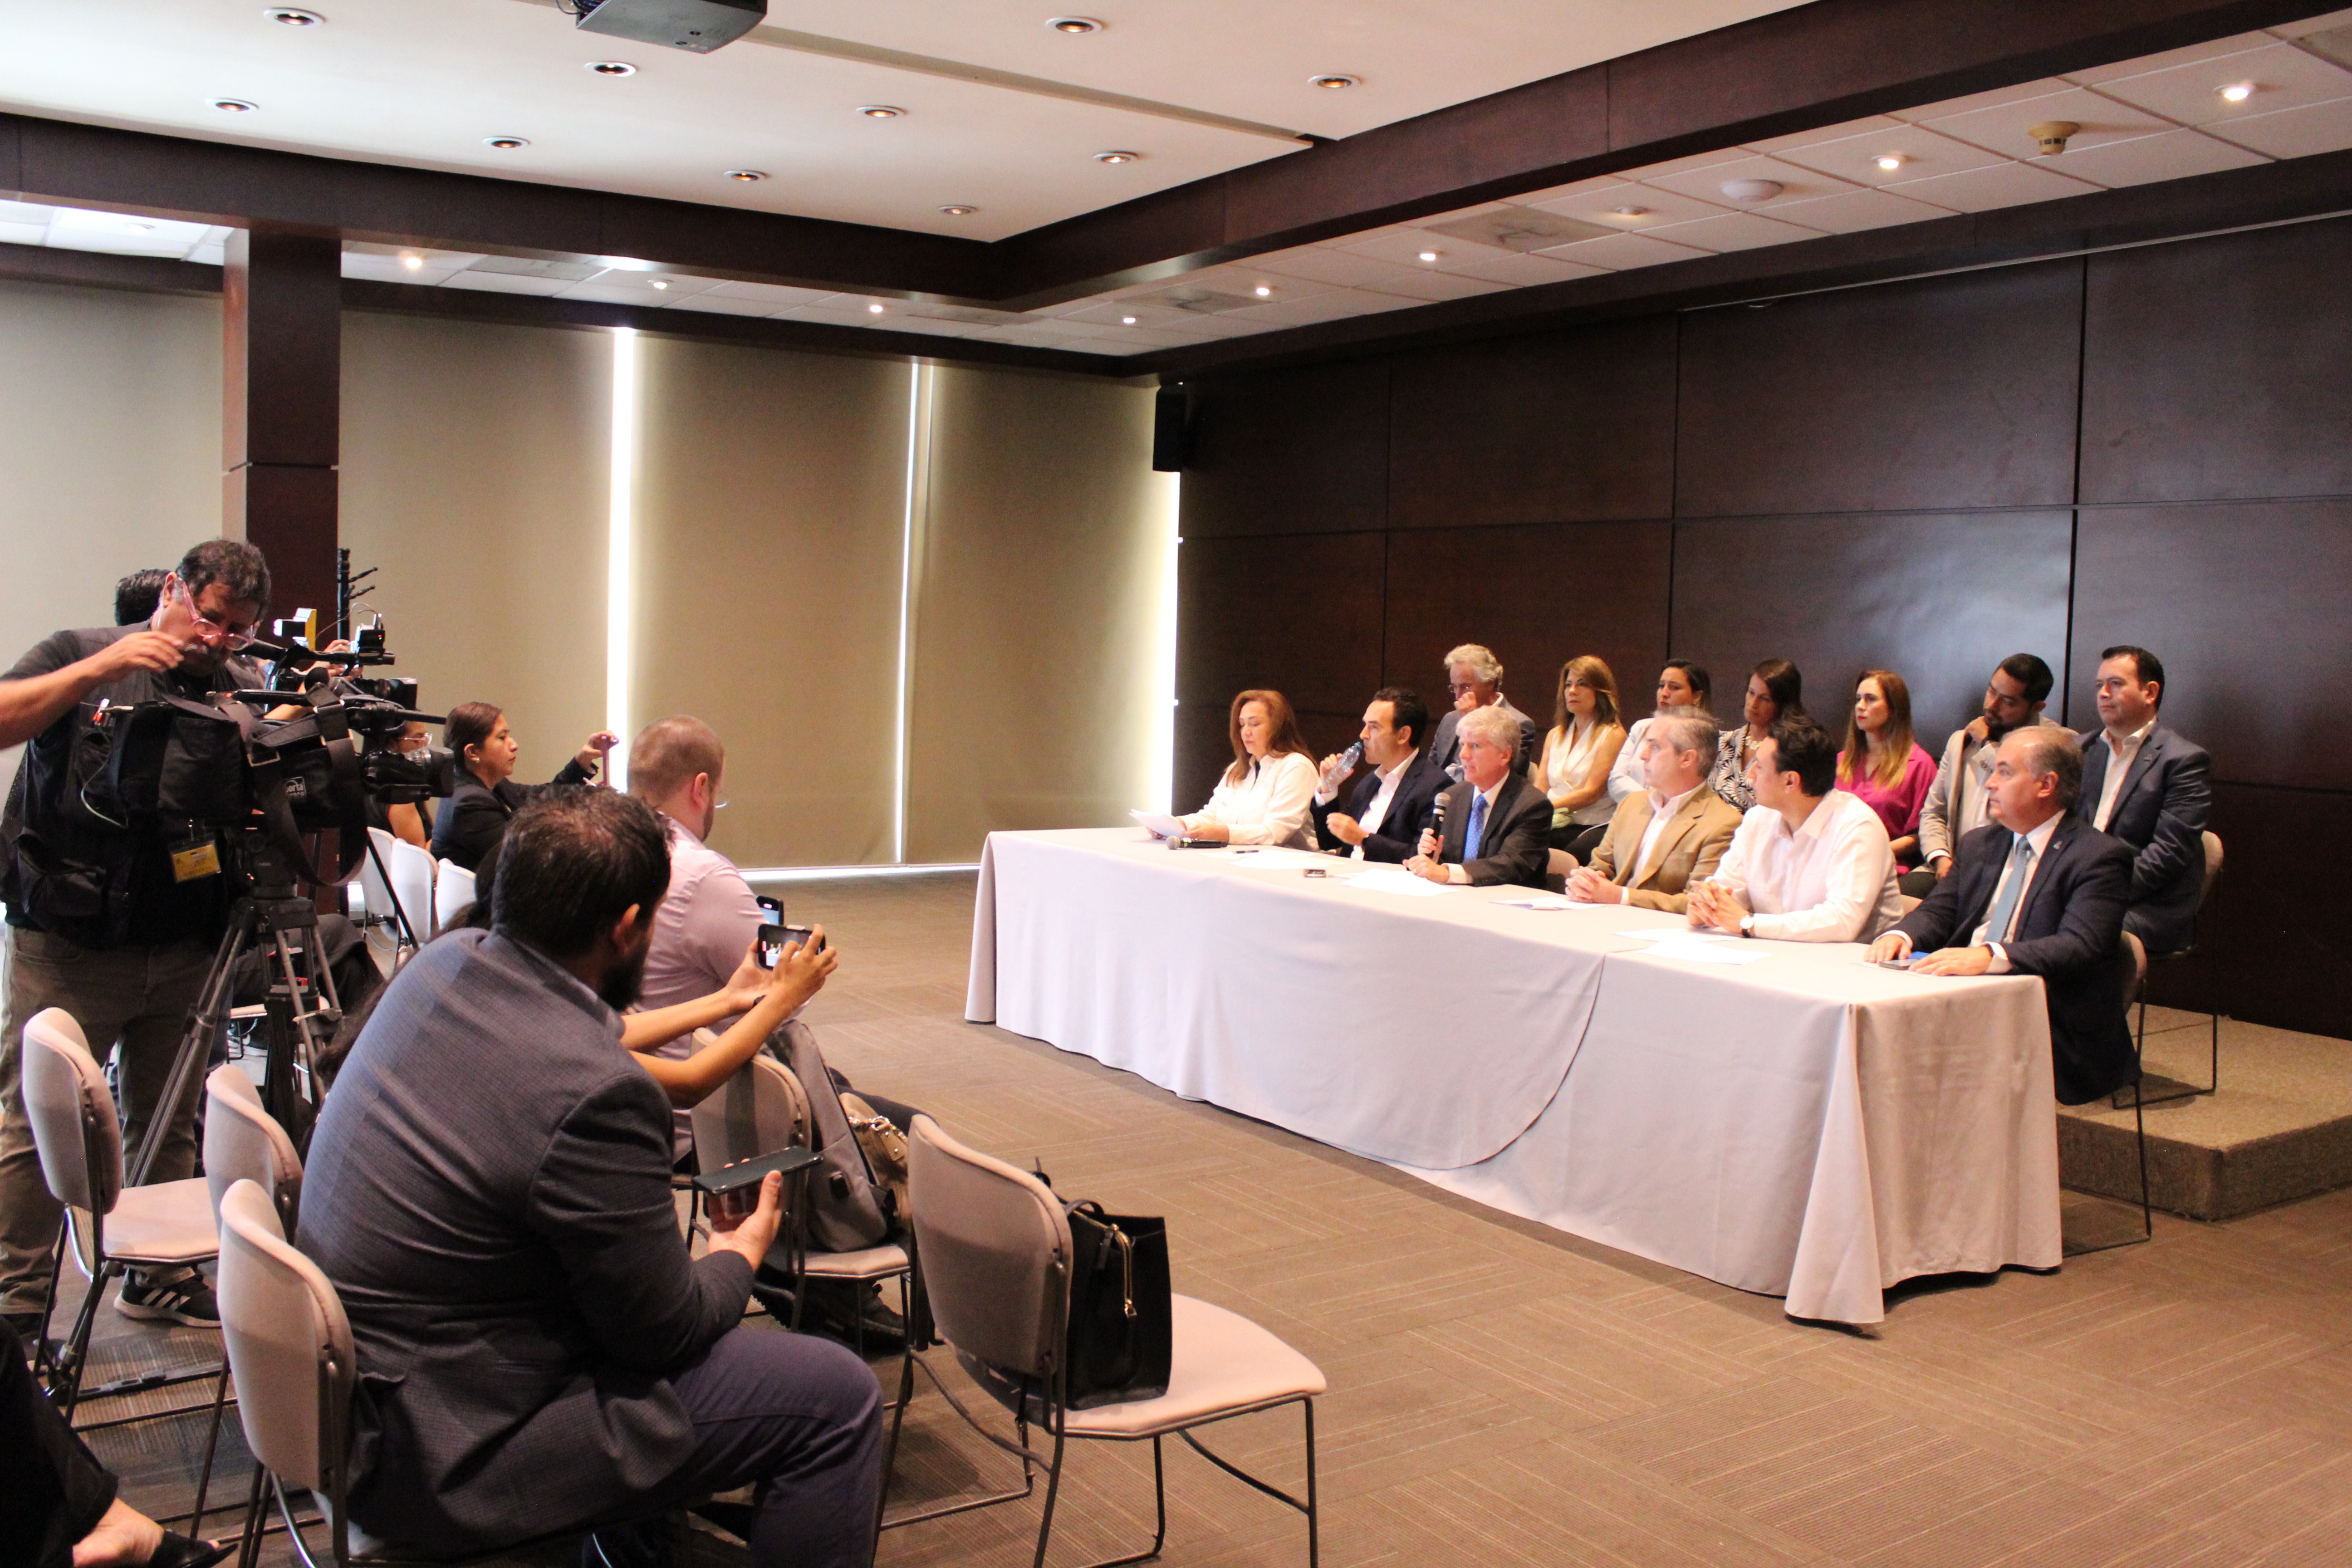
point(133, 998)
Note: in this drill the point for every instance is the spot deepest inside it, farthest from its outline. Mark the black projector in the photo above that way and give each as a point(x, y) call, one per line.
point(700, 25)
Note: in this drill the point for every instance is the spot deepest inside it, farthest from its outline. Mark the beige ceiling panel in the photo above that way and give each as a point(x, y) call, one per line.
point(1665, 205)
point(2281, 77)
point(2002, 186)
point(2005, 128)
point(2174, 155)
point(2170, 59)
point(1852, 212)
point(1736, 231)
point(2295, 132)
point(1623, 252)
point(1921, 154)
point(1797, 184)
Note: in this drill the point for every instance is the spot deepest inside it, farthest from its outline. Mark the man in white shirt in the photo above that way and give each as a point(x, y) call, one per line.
point(1392, 805)
point(1673, 834)
point(1811, 862)
point(2151, 787)
point(1955, 807)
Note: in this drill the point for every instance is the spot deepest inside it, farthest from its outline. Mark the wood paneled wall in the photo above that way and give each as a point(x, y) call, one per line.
point(2150, 445)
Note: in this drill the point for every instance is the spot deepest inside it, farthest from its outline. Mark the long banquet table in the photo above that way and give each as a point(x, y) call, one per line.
point(1780, 1117)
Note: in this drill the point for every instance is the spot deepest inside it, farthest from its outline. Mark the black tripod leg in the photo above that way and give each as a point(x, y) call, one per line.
point(196, 1045)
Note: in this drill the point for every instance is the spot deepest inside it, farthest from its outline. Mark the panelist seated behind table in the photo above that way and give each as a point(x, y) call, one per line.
point(1810, 863)
point(1673, 834)
point(488, 1189)
point(1391, 804)
point(2038, 891)
point(487, 798)
point(2152, 788)
point(1496, 821)
point(1681, 684)
point(1268, 794)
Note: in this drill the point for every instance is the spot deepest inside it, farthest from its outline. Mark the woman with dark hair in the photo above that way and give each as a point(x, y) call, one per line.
point(1681, 684)
point(1580, 748)
point(1775, 690)
point(475, 815)
point(1268, 794)
point(1883, 763)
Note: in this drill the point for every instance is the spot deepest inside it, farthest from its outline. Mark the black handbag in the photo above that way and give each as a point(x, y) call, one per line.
point(1120, 1333)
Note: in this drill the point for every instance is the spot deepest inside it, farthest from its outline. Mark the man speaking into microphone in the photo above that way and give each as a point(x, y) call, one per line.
point(1497, 824)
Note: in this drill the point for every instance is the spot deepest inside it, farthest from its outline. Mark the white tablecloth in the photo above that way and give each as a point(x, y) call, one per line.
point(1804, 1125)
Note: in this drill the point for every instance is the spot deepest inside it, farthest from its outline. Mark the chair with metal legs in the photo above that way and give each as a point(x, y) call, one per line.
point(109, 1227)
point(2144, 961)
point(995, 1254)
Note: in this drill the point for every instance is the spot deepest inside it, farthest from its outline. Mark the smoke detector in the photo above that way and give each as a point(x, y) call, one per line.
point(2052, 135)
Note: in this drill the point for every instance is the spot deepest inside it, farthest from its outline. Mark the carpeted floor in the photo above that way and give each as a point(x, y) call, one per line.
point(1501, 1393)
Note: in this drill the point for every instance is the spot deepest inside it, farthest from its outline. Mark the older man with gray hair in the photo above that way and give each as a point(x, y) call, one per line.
point(2038, 890)
point(1498, 823)
point(1475, 675)
point(1668, 837)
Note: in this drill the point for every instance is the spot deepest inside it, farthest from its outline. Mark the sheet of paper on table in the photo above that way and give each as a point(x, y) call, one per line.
point(1279, 859)
point(1388, 879)
point(1674, 933)
point(1706, 950)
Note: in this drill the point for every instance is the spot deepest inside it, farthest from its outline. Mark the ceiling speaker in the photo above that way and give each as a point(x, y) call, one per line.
point(699, 25)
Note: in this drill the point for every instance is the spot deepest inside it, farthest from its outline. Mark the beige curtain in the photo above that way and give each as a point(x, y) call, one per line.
point(771, 508)
point(1039, 686)
point(473, 464)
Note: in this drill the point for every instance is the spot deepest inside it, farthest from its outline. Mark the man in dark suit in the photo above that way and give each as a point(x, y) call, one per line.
point(2144, 784)
point(1473, 677)
point(1498, 823)
point(488, 1190)
point(1391, 804)
point(2038, 891)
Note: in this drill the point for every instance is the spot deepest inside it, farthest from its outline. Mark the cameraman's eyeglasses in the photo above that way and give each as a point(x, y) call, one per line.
point(235, 637)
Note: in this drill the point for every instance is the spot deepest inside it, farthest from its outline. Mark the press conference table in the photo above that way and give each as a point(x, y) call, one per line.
point(1780, 1117)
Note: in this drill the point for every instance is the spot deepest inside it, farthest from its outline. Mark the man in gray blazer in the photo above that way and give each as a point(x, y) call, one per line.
point(2151, 788)
point(1475, 677)
point(488, 1190)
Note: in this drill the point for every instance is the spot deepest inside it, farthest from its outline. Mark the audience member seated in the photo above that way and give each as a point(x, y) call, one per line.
point(488, 1188)
point(1671, 835)
point(2147, 785)
point(1810, 863)
point(1883, 764)
point(487, 798)
point(1475, 677)
point(1268, 797)
point(1956, 802)
point(2038, 891)
point(1578, 753)
point(1775, 688)
point(1496, 821)
point(1681, 684)
point(1391, 804)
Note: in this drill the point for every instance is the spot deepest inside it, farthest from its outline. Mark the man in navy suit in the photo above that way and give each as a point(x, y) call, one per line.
point(1391, 804)
point(2038, 891)
point(2144, 784)
point(1498, 823)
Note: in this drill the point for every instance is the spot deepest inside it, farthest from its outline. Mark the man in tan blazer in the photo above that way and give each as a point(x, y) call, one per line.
point(1669, 836)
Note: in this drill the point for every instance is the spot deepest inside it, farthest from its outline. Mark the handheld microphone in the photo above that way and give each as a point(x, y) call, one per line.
point(1437, 822)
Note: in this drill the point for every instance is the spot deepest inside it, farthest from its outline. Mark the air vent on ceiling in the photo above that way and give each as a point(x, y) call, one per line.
point(1200, 301)
point(520, 266)
point(1520, 229)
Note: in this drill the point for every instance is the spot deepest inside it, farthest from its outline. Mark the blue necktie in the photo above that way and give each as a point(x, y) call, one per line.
point(2004, 907)
point(1477, 825)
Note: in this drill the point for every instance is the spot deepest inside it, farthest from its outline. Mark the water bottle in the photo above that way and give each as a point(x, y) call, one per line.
point(1349, 759)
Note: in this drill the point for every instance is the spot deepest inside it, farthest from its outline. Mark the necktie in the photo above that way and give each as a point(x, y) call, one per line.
point(1470, 834)
point(2004, 907)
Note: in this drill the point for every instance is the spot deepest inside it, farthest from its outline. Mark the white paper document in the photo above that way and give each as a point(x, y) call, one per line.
point(1674, 933)
point(1160, 823)
point(1702, 949)
point(1542, 901)
point(1279, 859)
point(1388, 880)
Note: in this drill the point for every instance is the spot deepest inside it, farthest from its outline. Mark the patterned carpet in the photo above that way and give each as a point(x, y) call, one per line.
point(1505, 1394)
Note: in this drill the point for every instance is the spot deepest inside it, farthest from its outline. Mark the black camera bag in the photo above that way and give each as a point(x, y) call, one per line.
point(178, 758)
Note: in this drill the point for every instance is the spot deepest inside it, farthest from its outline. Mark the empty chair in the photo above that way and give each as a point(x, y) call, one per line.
point(108, 1226)
point(413, 874)
point(994, 1246)
point(242, 1140)
point(453, 890)
point(375, 894)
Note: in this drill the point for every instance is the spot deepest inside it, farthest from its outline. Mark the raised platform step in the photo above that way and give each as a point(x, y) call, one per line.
point(2280, 1128)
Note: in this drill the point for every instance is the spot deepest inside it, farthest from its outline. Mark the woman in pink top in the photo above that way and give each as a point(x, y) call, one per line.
point(1882, 763)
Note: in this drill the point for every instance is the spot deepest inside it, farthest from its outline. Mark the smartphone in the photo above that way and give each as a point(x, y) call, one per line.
point(774, 938)
point(775, 907)
point(734, 1190)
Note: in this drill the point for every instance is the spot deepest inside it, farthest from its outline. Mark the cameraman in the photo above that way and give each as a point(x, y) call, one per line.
point(115, 925)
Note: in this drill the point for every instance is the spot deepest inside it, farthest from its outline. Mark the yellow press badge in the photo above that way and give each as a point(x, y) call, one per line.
point(201, 861)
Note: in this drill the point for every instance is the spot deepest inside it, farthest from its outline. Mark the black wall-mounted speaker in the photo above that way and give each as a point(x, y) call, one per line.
point(1169, 446)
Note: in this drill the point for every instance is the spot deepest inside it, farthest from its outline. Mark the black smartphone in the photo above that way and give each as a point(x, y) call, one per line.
point(750, 1172)
point(775, 907)
point(774, 938)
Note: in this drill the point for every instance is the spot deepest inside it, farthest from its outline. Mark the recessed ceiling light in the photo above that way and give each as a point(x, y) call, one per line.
point(1075, 24)
point(1890, 161)
point(1630, 212)
point(660, 283)
point(413, 263)
point(1332, 81)
point(1127, 320)
point(1116, 157)
point(873, 310)
point(293, 16)
point(880, 111)
point(1263, 291)
point(1429, 256)
point(611, 68)
point(506, 143)
point(234, 105)
point(959, 210)
point(747, 177)
point(2238, 91)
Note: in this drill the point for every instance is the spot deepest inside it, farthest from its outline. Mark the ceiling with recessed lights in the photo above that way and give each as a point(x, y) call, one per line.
point(1004, 114)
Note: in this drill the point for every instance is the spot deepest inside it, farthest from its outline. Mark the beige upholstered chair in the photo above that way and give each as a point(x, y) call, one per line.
point(994, 1248)
point(109, 1227)
point(242, 1140)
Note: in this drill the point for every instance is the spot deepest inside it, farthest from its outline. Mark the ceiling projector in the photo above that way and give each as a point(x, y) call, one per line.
point(700, 25)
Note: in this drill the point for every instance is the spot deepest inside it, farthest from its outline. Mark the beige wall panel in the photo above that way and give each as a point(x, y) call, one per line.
point(1040, 684)
point(109, 450)
point(772, 506)
point(474, 479)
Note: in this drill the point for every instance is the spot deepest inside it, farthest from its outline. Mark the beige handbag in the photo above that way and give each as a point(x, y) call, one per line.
point(884, 1146)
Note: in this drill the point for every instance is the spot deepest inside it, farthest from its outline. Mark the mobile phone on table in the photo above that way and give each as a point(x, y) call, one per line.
point(734, 1190)
point(775, 939)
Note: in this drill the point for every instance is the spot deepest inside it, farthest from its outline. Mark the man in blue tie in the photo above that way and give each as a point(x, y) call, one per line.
point(1497, 823)
point(2038, 891)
